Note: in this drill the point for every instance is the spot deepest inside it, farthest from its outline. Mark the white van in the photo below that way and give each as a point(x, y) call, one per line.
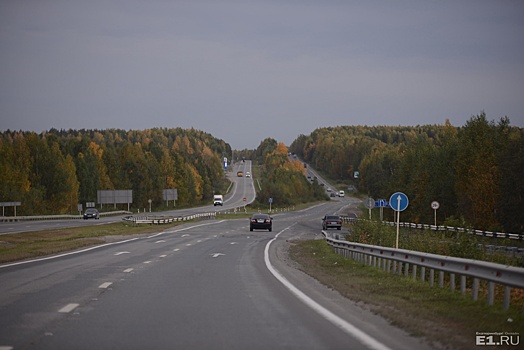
point(218, 199)
point(341, 193)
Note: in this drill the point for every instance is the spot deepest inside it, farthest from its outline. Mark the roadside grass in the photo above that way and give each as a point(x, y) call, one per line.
point(461, 245)
point(447, 319)
point(28, 245)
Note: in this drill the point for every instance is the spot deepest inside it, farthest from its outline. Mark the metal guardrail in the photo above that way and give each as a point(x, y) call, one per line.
point(161, 219)
point(515, 236)
point(406, 262)
point(56, 217)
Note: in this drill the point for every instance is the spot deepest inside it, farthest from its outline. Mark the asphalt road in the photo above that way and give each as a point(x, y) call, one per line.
point(241, 194)
point(205, 285)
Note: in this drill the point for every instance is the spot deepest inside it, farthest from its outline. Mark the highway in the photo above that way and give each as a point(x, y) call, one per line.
point(202, 285)
point(235, 199)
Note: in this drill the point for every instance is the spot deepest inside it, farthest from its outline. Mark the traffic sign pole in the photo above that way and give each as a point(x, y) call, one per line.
point(435, 205)
point(398, 228)
point(370, 204)
point(398, 202)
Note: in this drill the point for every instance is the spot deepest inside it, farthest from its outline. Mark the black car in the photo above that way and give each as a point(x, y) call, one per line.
point(261, 221)
point(331, 221)
point(91, 213)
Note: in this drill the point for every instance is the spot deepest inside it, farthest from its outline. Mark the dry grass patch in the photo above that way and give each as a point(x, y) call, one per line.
point(27, 245)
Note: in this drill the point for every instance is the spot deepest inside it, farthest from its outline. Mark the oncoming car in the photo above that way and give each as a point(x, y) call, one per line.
point(331, 221)
point(261, 221)
point(91, 213)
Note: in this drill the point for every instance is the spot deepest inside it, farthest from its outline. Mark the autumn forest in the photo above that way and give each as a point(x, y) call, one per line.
point(474, 171)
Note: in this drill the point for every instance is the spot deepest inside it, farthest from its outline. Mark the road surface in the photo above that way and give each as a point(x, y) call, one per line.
point(211, 284)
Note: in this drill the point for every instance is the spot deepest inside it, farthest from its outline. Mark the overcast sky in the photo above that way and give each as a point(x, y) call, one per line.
point(247, 70)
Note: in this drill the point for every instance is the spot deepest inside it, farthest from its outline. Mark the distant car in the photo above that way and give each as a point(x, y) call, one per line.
point(332, 194)
point(248, 174)
point(331, 221)
point(261, 221)
point(91, 213)
point(240, 174)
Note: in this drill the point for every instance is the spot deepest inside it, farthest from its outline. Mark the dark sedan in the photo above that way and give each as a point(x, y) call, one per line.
point(331, 221)
point(261, 221)
point(91, 213)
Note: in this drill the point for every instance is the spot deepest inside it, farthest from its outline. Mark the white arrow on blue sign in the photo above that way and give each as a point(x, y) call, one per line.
point(398, 201)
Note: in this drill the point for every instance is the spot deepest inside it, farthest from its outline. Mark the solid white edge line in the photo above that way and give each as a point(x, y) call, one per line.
point(105, 285)
point(347, 327)
point(66, 254)
point(96, 247)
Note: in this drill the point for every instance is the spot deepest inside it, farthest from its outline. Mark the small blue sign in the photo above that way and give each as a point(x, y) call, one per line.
point(270, 200)
point(382, 203)
point(398, 201)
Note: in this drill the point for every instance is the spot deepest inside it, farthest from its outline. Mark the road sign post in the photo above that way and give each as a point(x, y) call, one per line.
point(435, 205)
point(381, 203)
point(370, 204)
point(398, 202)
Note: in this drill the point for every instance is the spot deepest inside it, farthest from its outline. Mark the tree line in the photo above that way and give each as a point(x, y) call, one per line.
point(283, 179)
point(51, 172)
point(474, 171)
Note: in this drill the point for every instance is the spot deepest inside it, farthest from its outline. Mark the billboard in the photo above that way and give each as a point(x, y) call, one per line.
point(170, 194)
point(114, 196)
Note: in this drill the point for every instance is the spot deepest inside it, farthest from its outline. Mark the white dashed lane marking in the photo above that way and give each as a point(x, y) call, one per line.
point(68, 308)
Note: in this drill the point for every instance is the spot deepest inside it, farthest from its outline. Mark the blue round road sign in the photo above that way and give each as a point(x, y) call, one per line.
point(398, 201)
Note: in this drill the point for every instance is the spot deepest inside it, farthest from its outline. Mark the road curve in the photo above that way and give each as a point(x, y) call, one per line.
point(211, 284)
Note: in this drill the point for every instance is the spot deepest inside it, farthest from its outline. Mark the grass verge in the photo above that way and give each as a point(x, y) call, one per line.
point(28, 245)
point(448, 320)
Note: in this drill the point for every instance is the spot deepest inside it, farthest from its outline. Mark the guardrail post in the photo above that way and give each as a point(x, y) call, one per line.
point(463, 284)
point(399, 271)
point(406, 269)
point(431, 277)
point(422, 273)
point(507, 295)
point(452, 282)
point(441, 279)
point(475, 288)
point(491, 292)
point(414, 273)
